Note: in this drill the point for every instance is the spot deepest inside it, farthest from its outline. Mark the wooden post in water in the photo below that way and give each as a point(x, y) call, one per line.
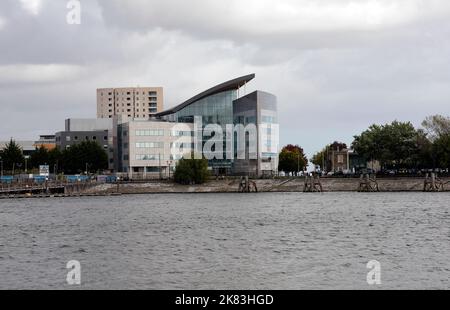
point(312, 184)
point(433, 183)
point(368, 184)
point(247, 186)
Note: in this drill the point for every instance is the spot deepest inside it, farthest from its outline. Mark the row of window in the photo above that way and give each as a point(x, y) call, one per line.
point(182, 133)
point(151, 93)
point(87, 138)
point(148, 133)
point(179, 145)
point(147, 157)
point(160, 145)
point(157, 157)
point(269, 119)
point(150, 145)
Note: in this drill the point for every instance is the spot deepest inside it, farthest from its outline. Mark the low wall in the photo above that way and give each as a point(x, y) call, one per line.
point(278, 185)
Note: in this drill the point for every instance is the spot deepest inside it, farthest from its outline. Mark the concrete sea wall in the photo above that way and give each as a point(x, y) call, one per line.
point(278, 185)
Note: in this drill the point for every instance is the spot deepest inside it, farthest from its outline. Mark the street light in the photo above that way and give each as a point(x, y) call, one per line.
point(169, 163)
point(26, 165)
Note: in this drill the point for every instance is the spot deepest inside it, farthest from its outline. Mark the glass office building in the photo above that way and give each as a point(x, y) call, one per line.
point(220, 105)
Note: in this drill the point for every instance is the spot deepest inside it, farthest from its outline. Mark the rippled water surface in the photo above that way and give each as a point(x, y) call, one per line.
point(254, 241)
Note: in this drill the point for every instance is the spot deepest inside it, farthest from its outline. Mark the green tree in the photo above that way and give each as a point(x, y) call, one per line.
point(436, 126)
point(441, 149)
point(12, 156)
point(55, 160)
point(87, 154)
point(191, 171)
point(39, 157)
point(292, 159)
point(319, 158)
point(394, 144)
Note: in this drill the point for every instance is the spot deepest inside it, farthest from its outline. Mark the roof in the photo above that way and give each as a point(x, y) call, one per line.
point(24, 145)
point(230, 85)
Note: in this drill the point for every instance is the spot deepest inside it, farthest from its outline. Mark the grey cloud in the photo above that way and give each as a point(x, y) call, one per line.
point(331, 82)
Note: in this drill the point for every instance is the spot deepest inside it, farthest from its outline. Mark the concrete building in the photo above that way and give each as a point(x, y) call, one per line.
point(133, 103)
point(142, 140)
point(102, 131)
point(152, 148)
point(348, 161)
point(339, 159)
point(46, 141)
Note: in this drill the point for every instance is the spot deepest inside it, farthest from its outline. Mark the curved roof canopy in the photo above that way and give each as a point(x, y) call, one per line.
point(230, 85)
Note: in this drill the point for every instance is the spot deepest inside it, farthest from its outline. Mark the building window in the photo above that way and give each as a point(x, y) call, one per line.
point(268, 119)
point(182, 133)
point(149, 145)
point(148, 133)
point(147, 157)
point(68, 139)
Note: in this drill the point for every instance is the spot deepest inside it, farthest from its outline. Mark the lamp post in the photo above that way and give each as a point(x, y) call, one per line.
point(169, 163)
point(55, 170)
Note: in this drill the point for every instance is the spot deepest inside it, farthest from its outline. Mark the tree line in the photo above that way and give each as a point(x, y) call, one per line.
point(86, 156)
point(399, 145)
point(396, 145)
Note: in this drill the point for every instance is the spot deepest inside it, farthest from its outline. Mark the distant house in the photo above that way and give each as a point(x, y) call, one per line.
point(342, 159)
point(337, 157)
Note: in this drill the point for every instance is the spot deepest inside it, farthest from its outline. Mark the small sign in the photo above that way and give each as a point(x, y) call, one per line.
point(44, 170)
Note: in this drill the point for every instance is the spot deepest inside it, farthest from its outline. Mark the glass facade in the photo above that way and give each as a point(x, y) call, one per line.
point(214, 109)
point(222, 106)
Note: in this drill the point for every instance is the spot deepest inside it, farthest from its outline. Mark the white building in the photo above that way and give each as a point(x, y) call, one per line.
point(152, 147)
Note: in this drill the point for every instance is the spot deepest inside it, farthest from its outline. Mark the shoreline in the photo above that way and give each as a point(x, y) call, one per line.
point(330, 185)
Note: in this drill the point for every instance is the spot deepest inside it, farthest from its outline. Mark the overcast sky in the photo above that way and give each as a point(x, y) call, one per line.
point(336, 66)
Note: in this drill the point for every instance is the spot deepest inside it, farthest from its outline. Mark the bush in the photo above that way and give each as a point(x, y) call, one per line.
point(191, 171)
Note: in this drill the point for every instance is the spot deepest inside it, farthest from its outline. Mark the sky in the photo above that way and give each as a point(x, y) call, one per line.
point(336, 66)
